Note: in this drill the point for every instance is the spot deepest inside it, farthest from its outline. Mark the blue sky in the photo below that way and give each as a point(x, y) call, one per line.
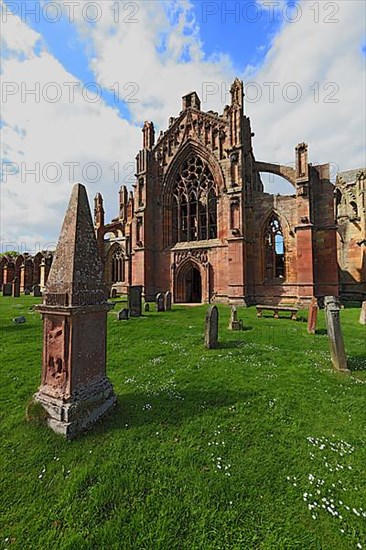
point(168, 49)
point(241, 30)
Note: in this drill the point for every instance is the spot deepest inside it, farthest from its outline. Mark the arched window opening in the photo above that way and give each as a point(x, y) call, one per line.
point(194, 202)
point(118, 267)
point(274, 245)
point(354, 209)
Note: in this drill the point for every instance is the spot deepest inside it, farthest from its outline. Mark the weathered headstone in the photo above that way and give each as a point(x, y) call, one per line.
point(312, 316)
point(26, 292)
point(335, 336)
point(19, 320)
point(211, 327)
point(74, 389)
point(7, 289)
point(135, 300)
point(37, 291)
point(234, 323)
point(122, 315)
point(113, 293)
point(16, 287)
point(168, 300)
point(159, 302)
point(147, 307)
point(363, 314)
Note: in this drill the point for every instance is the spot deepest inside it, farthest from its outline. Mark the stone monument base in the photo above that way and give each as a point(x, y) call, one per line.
point(71, 416)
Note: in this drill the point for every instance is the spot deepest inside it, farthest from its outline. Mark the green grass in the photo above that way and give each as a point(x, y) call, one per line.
point(206, 449)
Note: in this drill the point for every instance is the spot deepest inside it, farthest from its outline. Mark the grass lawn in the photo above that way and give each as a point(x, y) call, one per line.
point(257, 444)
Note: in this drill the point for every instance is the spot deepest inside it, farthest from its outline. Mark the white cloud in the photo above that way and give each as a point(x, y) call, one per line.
point(162, 53)
point(38, 132)
point(306, 53)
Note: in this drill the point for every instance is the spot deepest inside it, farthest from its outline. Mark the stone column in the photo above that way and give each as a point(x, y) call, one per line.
point(74, 389)
point(16, 287)
point(42, 275)
point(312, 316)
point(335, 336)
point(363, 314)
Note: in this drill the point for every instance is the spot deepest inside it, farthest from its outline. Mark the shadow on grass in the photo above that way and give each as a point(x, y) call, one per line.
point(230, 344)
point(357, 363)
point(140, 409)
point(321, 331)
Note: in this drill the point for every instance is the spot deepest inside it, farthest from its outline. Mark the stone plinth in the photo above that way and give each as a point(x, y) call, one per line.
point(74, 389)
point(234, 323)
point(335, 336)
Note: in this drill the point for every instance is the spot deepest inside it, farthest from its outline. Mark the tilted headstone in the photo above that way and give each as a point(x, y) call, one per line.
point(234, 323)
point(37, 291)
point(135, 300)
point(16, 287)
point(168, 300)
point(74, 389)
point(7, 289)
point(159, 302)
point(211, 327)
point(335, 336)
point(363, 314)
point(147, 307)
point(122, 315)
point(19, 320)
point(312, 316)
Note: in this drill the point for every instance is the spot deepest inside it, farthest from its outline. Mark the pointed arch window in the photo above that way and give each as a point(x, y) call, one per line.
point(118, 267)
point(194, 202)
point(274, 248)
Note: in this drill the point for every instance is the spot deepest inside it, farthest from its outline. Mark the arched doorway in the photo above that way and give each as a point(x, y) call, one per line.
point(189, 284)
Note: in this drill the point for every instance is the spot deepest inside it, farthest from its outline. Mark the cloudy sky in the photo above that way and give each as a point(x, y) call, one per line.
point(79, 78)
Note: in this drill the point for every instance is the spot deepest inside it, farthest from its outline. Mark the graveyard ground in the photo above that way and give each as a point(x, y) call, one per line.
point(257, 444)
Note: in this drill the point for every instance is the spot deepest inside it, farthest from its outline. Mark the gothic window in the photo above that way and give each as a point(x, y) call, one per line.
point(354, 210)
point(274, 247)
point(194, 202)
point(118, 267)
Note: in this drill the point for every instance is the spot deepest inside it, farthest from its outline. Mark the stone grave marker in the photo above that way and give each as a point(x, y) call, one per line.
point(135, 300)
point(335, 336)
point(211, 327)
point(159, 302)
point(19, 320)
point(147, 307)
point(363, 314)
point(123, 314)
point(234, 323)
point(7, 289)
point(75, 391)
point(37, 291)
point(168, 300)
point(113, 293)
point(312, 316)
point(16, 287)
point(27, 292)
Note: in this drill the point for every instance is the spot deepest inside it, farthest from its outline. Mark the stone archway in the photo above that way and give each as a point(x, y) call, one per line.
point(188, 284)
